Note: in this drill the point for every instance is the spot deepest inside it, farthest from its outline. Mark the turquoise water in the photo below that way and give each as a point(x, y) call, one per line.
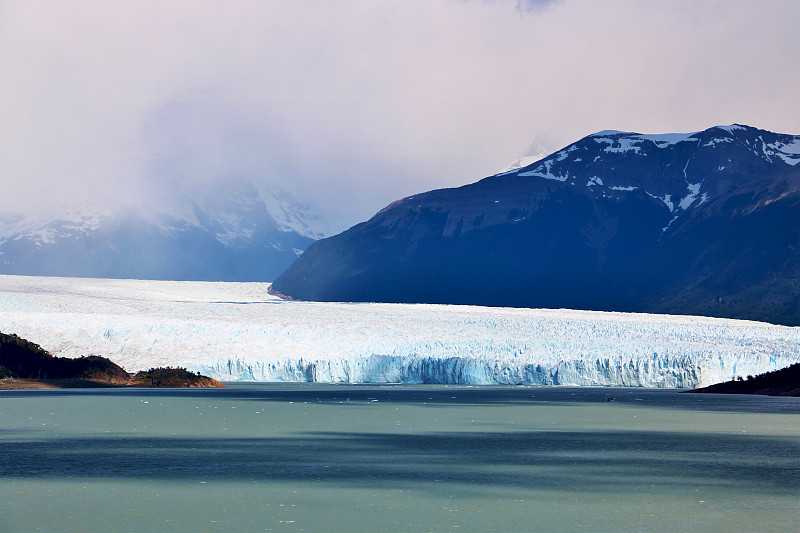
point(316, 457)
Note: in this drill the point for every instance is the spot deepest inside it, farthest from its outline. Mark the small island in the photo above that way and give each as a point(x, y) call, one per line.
point(783, 382)
point(26, 365)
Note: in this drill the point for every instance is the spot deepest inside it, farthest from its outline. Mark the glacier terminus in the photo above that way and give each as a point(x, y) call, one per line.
point(238, 332)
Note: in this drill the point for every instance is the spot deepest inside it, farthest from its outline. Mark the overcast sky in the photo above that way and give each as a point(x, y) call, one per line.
point(351, 104)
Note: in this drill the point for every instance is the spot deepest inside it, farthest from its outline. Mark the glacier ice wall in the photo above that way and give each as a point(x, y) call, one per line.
point(236, 331)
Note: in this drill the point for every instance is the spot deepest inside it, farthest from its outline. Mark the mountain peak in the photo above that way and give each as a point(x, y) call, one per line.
point(681, 170)
point(698, 223)
point(229, 232)
point(611, 132)
point(734, 127)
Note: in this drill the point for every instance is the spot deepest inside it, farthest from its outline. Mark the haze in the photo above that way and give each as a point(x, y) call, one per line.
point(349, 105)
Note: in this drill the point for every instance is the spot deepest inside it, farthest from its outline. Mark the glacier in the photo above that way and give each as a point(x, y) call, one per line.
point(238, 332)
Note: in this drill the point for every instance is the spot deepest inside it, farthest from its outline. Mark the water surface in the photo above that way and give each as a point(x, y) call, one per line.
point(316, 457)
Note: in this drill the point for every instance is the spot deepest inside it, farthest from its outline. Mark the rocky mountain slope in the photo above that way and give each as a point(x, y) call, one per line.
point(703, 223)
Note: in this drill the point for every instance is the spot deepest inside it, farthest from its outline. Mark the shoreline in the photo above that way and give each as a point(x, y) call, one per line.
point(53, 384)
point(49, 384)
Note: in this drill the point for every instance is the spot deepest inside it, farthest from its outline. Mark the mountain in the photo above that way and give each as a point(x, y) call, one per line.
point(538, 149)
point(704, 223)
point(234, 232)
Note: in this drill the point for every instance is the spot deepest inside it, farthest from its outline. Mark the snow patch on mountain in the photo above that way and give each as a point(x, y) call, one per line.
point(718, 140)
point(632, 142)
point(691, 196)
point(44, 230)
point(788, 151)
point(232, 216)
point(620, 142)
point(520, 163)
point(667, 199)
point(732, 128)
point(233, 229)
point(226, 230)
point(614, 146)
point(538, 150)
point(620, 145)
point(604, 133)
point(662, 140)
point(672, 220)
point(292, 215)
point(563, 154)
point(543, 171)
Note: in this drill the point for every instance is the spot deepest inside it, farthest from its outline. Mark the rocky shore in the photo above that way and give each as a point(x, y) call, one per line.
point(25, 365)
point(783, 382)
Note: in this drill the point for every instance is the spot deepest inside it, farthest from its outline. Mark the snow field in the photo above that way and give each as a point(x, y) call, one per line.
point(237, 331)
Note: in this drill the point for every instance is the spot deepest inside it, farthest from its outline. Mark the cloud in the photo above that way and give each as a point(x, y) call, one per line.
point(528, 6)
point(521, 6)
point(352, 104)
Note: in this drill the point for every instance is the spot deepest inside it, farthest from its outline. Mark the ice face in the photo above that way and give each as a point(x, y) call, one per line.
point(236, 331)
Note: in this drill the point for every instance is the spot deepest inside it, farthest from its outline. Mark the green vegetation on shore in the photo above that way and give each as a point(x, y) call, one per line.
point(172, 377)
point(23, 360)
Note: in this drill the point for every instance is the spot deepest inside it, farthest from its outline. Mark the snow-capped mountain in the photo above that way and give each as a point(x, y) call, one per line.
point(232, 232)
point(701, 223)
point(538, 149)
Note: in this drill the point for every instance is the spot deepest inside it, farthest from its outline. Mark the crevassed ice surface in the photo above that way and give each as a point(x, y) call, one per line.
point(236, 331)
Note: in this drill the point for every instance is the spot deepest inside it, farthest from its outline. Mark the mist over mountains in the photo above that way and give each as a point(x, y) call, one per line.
point(231, 232)
point(703, 223)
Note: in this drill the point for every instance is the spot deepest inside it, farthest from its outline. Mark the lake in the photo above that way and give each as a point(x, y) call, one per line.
point(322, 457)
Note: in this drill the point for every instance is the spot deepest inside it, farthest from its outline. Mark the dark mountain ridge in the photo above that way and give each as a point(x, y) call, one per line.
point(706, 223)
